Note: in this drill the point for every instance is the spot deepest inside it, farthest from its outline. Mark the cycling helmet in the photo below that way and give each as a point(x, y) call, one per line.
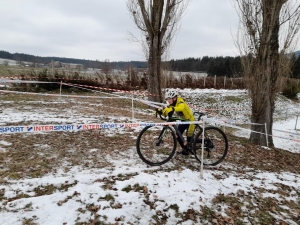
point(171, 94)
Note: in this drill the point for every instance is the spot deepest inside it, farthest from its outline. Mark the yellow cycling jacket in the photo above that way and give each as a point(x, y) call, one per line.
point(184, 112)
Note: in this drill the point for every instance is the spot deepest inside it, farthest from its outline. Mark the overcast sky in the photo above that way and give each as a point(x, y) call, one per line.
point(97, 29)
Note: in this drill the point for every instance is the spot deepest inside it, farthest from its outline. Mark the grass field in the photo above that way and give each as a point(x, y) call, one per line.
point(96, 177)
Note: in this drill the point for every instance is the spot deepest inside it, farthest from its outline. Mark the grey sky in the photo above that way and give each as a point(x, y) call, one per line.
point(97, 29)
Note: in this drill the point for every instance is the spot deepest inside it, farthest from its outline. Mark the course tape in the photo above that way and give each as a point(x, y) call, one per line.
point(78, 127)
point(288, 132)
point(110, 89)
point(153, 104)
point(238, 122)
point(240, 128)
point(27, 82)
point(52, 78)
point(56, 95)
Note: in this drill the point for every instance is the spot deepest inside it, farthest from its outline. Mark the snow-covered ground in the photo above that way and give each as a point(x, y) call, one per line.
point(142, 195)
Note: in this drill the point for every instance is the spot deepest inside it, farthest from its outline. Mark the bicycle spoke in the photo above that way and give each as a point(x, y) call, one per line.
point(156, 147)
point(215, 146)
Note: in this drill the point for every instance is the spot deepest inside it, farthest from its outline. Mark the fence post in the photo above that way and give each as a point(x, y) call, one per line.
point(215, 81)
point(132, 108)
point(204, 81)
point(296, 123)
point(52, 67)
point(266, 135)
point(224, 81)
point(60, 87)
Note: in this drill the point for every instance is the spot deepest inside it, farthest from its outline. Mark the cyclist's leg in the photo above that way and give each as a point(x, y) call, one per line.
point(182, 128)
point(190, 132)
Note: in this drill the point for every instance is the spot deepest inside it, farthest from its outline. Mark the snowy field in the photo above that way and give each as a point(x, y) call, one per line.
point(127, 191)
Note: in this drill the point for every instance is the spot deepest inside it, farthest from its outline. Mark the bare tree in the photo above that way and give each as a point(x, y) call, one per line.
point(267, 33)
point(5, 62)
point(158, 21)
point(106, 67)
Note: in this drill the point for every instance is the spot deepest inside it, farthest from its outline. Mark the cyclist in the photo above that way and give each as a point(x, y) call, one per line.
point(179, 106)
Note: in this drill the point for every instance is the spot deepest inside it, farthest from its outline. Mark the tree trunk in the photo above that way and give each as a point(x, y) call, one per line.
point(267, 62)
point(154, 81)
point(259, 118)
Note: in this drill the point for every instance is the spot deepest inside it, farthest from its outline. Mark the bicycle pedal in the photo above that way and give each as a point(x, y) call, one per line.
point(183, 152)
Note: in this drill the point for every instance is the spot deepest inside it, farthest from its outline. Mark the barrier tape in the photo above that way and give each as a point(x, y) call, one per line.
point(240, 128)
point(220, 109)
point(54, 78)
point(145, 94)
point(56, 95)
point(118, 96)
point(78, 127)
point(111, 89)
point(288, 132)
point(239, 122)
point(153, 104)
point(27, 82)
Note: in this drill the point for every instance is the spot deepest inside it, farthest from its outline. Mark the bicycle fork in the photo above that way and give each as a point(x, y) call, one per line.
point(160, 137)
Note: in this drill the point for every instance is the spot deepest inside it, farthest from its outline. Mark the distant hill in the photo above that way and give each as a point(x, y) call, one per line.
point(21, 57)
point(219, 65)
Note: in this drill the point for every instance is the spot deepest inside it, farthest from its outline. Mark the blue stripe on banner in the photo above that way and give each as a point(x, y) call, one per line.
point(11, 129)
point(71, 127)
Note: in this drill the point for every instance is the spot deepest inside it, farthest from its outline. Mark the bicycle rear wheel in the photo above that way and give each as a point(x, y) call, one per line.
point(215, 146)
point(156, 145)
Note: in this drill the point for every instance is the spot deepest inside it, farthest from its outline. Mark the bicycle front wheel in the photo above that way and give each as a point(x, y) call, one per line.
point(156, 145)
point(215, 146)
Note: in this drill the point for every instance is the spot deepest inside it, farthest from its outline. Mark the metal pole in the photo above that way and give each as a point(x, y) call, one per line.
point(266, 134)
point(215, 80)
point(132, 108)
point(60, 88)
point(52, 67)
point(201, 167)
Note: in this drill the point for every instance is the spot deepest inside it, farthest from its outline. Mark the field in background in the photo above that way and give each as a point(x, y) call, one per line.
point(132, 78)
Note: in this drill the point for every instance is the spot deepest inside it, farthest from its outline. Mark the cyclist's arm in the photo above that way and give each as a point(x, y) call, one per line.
point(179, 107)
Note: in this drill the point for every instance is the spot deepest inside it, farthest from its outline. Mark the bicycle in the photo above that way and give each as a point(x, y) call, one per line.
point(156, 145)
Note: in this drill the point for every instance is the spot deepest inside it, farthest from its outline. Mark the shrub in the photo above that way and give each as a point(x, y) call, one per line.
point(291, 89)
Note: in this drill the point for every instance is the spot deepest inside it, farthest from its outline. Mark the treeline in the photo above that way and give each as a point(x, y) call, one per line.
point(223, 66)
point(95, 64)
point(219, 66)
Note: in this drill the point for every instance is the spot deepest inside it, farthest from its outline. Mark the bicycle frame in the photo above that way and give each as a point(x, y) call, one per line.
point(176, 130)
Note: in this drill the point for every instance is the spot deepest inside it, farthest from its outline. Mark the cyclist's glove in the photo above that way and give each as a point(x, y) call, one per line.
point(157, 111)
point(168, 110)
